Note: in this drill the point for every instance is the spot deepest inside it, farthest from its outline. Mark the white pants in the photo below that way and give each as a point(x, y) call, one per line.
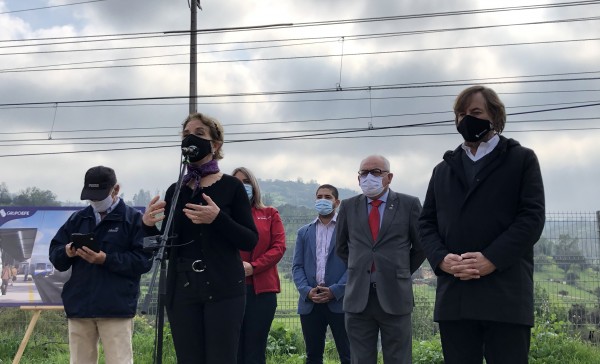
point(115, 334)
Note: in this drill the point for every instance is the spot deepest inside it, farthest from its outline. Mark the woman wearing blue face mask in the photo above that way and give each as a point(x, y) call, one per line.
point(206, 293)
point(262, 278)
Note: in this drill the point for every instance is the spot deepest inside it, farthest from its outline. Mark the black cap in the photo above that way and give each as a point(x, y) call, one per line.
point(98, 183)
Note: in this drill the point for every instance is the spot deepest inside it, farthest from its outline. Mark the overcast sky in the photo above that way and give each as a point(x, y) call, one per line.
point(395, 72)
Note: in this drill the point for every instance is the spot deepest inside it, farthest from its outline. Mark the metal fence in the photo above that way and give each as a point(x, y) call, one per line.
point(567, 277)
point(567, 274)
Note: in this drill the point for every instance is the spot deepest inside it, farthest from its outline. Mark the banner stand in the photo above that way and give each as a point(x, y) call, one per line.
point(36, 315)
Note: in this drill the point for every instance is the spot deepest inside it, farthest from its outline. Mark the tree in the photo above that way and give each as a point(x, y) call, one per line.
point(34, 196)
point(142, 198)
point(567, 252)
point(544, 246)
point(267, 199)
point(5, 198)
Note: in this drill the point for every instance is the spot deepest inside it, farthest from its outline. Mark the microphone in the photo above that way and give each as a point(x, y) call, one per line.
point(190, 151)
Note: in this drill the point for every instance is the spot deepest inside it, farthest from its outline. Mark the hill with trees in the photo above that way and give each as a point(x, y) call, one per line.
point(275, 193)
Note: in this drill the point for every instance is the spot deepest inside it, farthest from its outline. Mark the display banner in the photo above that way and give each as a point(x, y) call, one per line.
point(25, 235)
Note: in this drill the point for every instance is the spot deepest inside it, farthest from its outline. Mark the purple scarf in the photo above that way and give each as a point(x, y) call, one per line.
point(197, 172)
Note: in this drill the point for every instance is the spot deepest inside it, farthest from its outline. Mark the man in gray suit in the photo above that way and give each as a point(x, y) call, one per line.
point(377, 238)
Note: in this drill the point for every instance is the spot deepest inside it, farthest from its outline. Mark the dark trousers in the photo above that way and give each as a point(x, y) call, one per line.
point(260, 311)
point(365, 327)
point(206, 332)
point(469, 341)
point(314, 328)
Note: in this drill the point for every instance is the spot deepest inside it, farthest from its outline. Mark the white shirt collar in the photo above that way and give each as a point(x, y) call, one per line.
point(483, 149)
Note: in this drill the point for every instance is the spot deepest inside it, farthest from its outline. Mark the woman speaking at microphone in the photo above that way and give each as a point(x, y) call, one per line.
point(205, 278)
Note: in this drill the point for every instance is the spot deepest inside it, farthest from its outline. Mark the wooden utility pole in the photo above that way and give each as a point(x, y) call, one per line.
point(193, 56)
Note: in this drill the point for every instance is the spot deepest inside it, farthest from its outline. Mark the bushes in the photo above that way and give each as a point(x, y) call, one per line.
point(551, 341)
point(550, 344)
point(283, 341)
point(428, 352)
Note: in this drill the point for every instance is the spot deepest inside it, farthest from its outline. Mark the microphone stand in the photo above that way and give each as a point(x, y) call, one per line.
point(158, 243)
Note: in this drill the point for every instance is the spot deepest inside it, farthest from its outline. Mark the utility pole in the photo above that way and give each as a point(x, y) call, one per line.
point(194, 5)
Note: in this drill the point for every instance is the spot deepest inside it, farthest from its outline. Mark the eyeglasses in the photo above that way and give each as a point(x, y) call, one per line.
point(374, 172)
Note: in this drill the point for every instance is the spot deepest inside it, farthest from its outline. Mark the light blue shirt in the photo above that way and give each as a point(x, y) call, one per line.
point(324, 234)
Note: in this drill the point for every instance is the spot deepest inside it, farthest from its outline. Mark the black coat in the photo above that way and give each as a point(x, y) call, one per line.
point(502, 216)
point(216, 244)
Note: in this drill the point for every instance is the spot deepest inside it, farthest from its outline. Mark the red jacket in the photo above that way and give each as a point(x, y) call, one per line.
point(268, 252)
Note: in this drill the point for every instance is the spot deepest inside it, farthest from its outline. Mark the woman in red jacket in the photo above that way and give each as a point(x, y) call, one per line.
point(262, 278)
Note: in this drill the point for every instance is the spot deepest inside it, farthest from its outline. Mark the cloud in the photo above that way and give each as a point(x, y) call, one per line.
point(567, 157)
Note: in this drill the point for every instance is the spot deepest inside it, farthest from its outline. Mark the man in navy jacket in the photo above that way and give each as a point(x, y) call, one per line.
point(483, 212)
point(100, 297)
point(320, 276)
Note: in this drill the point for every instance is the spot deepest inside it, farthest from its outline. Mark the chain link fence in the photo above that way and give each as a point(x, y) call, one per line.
point(567, 271)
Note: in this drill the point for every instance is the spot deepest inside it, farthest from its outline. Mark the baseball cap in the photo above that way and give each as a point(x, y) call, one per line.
point(98, 183)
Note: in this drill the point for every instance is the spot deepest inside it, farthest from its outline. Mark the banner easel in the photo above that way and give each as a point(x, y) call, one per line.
point(37, 311)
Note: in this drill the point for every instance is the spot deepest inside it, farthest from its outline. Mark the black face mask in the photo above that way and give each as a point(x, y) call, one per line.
point(473, 129)
point(203, 146)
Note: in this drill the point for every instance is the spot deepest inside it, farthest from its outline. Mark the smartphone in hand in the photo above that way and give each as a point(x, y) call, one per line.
point(89, 240)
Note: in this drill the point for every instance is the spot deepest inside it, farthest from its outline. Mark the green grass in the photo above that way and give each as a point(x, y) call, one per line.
point(551, 343)
point(554, 340)
point(581, 291)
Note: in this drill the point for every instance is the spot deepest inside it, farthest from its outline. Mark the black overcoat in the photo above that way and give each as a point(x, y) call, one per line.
point(502, 216)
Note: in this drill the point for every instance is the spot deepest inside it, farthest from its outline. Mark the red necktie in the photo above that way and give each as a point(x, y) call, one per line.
point(374, 218)
point(374, 223)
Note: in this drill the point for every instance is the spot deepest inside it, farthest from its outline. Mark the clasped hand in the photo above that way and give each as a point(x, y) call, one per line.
point(248, 269)
point(467, 266)
point(320, 294)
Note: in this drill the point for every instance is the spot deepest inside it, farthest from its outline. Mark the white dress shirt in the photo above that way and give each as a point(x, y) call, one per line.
point(484, 148)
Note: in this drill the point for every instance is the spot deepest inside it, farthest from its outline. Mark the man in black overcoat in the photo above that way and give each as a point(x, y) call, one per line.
point(483, 212)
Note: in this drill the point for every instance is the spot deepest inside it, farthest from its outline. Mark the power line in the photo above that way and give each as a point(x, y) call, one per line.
point(43, 67)
point(412, 85)
point(314, 40)
point(32, 69)
point(308, 137)
point(329, 134)
point(50, 7)
point(54, 142)
point(315, 23)
point(323, 131)
point(335, 99)
point(278, 122)
point(436, 134)
point(450, 13)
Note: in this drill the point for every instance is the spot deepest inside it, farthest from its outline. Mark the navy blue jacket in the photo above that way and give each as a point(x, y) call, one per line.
point(110, 289)
point(304, 270)
point(501, 214)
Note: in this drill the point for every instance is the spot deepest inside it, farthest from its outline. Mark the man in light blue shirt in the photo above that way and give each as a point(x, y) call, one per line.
point(320, 276)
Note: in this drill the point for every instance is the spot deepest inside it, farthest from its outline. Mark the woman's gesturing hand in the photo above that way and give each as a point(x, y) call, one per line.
point(202, 214)
point(155, 207)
